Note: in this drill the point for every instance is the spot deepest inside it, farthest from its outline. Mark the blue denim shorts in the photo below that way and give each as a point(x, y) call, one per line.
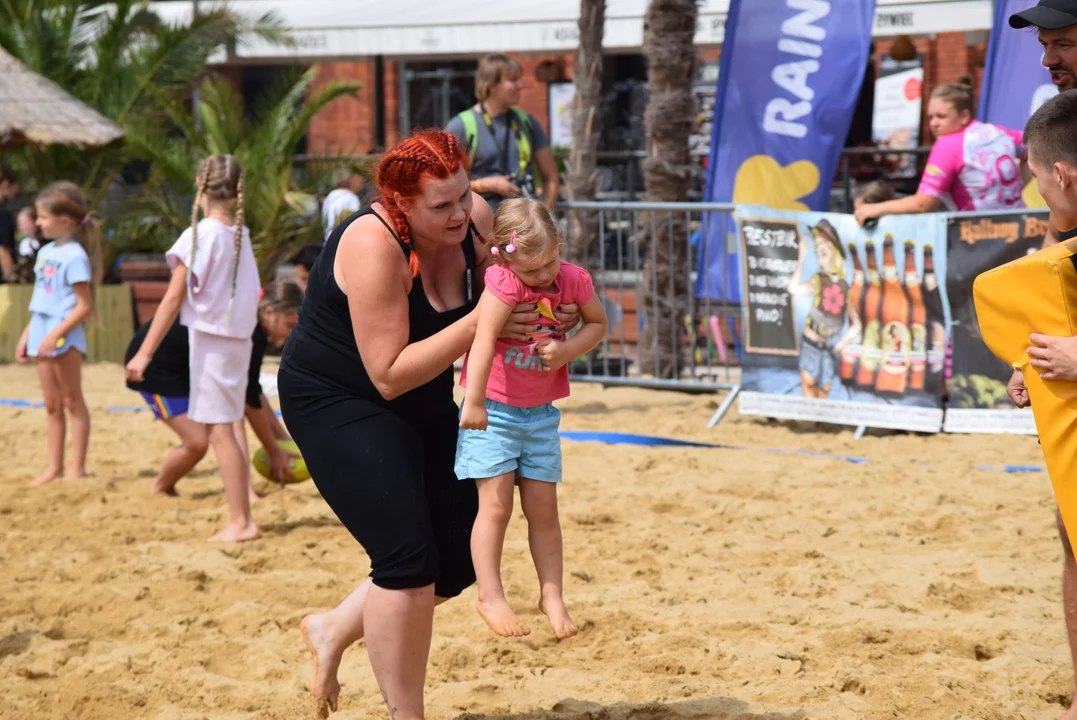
point(520, 439)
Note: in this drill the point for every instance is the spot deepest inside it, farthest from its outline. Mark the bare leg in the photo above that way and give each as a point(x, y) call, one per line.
point(241, 525)
point(69, 373)
point(180, 460)
point(539, 501)
point(329, 635)
point(807, 384)
point(1069, 604)
point(399, 624)
point(54, 421)
point(239, 427)
point(487, 544)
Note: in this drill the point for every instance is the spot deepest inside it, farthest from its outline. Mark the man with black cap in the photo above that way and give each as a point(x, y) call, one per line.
point(1056, 22)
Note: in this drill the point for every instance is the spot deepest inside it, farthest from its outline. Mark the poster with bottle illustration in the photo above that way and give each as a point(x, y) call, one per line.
point(977, 379)
point(841, 324)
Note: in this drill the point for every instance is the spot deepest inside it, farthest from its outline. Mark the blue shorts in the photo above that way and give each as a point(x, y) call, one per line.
point(520, 439)
point(164, 407)
point(41, 325)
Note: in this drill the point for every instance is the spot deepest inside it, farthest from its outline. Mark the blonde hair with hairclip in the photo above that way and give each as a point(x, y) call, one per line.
point(524, 228)
point(220, 177)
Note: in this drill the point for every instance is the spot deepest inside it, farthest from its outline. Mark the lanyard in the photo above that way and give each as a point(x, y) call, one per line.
point(503, 151)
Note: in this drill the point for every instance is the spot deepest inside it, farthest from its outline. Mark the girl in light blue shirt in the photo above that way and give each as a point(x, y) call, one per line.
point(55, 337)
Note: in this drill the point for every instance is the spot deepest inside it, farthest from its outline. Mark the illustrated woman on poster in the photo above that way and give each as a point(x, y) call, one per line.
point(822, 341)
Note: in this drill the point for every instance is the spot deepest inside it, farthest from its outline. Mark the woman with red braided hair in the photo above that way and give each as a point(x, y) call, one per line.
point(366, 388)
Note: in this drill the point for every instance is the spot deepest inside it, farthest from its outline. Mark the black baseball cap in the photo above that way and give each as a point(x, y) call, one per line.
point(1048, 14)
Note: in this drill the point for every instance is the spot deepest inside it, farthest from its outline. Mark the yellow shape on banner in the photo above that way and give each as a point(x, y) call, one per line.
point(1032, 196)
point(760, 180)
point(1038, 294)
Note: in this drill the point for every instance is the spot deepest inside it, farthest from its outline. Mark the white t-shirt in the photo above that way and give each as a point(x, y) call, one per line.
point(206, 307)
point(338, 205)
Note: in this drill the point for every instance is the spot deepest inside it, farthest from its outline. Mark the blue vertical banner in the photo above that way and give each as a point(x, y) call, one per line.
point(789, 82)
point(1015, 82)
point(790, 78)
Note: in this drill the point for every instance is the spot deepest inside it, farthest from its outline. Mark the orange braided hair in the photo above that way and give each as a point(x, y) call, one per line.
point(403, 170)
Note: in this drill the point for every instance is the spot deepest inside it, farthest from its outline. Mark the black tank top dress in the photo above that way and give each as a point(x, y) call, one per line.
point(385, 467)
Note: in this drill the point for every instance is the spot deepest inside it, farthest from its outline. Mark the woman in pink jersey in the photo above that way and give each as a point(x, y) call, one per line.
point(509, 424)
point(973, 165)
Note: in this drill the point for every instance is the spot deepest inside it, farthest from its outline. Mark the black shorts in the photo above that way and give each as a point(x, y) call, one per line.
point(390, 482)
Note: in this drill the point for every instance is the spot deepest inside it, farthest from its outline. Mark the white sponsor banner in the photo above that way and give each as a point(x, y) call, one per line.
point(841, 412)
point(990, 422)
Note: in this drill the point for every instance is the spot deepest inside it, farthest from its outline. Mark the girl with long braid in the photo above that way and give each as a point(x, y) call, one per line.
point(214, 290)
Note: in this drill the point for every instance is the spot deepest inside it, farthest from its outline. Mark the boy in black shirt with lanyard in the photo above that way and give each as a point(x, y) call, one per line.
point(167, 383)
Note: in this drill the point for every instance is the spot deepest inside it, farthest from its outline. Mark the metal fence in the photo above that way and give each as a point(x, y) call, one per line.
point(695, 340)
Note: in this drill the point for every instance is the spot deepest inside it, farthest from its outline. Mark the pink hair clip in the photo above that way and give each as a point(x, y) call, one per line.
point(85, 218)
point(510, 248)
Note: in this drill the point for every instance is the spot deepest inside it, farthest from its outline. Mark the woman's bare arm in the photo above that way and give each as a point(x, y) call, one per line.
point(375, 278)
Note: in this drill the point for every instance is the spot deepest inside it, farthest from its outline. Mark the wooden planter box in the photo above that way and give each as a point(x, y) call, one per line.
point(106, 337)
point(147, 276)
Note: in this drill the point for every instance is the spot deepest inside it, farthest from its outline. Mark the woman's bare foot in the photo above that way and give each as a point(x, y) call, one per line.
point(500, 617)
point(48, 476)
point(562, 624)
point(236, 533)
point(324, 687)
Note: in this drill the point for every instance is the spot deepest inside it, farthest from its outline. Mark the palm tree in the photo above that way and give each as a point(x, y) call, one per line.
point(113, 56)
point(668, 35)
point(581, 173)
point(264, 142)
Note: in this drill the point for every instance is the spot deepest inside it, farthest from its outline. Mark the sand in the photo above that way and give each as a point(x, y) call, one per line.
point(708, 583)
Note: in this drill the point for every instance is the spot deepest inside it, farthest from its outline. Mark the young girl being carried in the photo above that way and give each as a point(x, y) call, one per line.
point(511, 386)
point(214, 289)
point(55, 337)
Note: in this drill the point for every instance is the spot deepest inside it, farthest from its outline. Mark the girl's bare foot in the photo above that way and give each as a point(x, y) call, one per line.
point(500, 617)
point(236, 533)
point(562, 624)
point(253, 497)
point(1070, 714)
point(48, 476)
point(324, 687)
point(160, 487)
point(76, 475)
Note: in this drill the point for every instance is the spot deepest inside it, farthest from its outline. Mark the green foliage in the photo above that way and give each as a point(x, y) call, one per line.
point(150, 77)
point(263, 141)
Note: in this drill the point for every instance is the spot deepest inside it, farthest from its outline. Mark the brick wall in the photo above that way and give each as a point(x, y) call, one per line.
point(345, 126)
point(945, 58)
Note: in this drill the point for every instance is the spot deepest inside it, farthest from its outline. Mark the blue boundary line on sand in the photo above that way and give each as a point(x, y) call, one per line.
point(616, 438)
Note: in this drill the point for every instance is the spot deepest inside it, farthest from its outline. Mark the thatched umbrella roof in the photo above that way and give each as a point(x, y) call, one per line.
point(35, 110)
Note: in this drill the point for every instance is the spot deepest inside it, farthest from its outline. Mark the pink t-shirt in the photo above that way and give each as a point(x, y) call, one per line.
point(975, 169)
point(517, 377)
point(207, 308)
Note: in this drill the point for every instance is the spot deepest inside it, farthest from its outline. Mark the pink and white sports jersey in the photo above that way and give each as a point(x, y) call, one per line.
point(975, 169)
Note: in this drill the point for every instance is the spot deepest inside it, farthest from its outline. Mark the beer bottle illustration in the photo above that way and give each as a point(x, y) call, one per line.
point(917, 320)
point(850, 356)
point(934, 324)
point(871, 351)
point(893, 375)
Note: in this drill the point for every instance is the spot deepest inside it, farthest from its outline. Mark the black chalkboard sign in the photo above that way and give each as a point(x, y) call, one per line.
point(769, 252)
